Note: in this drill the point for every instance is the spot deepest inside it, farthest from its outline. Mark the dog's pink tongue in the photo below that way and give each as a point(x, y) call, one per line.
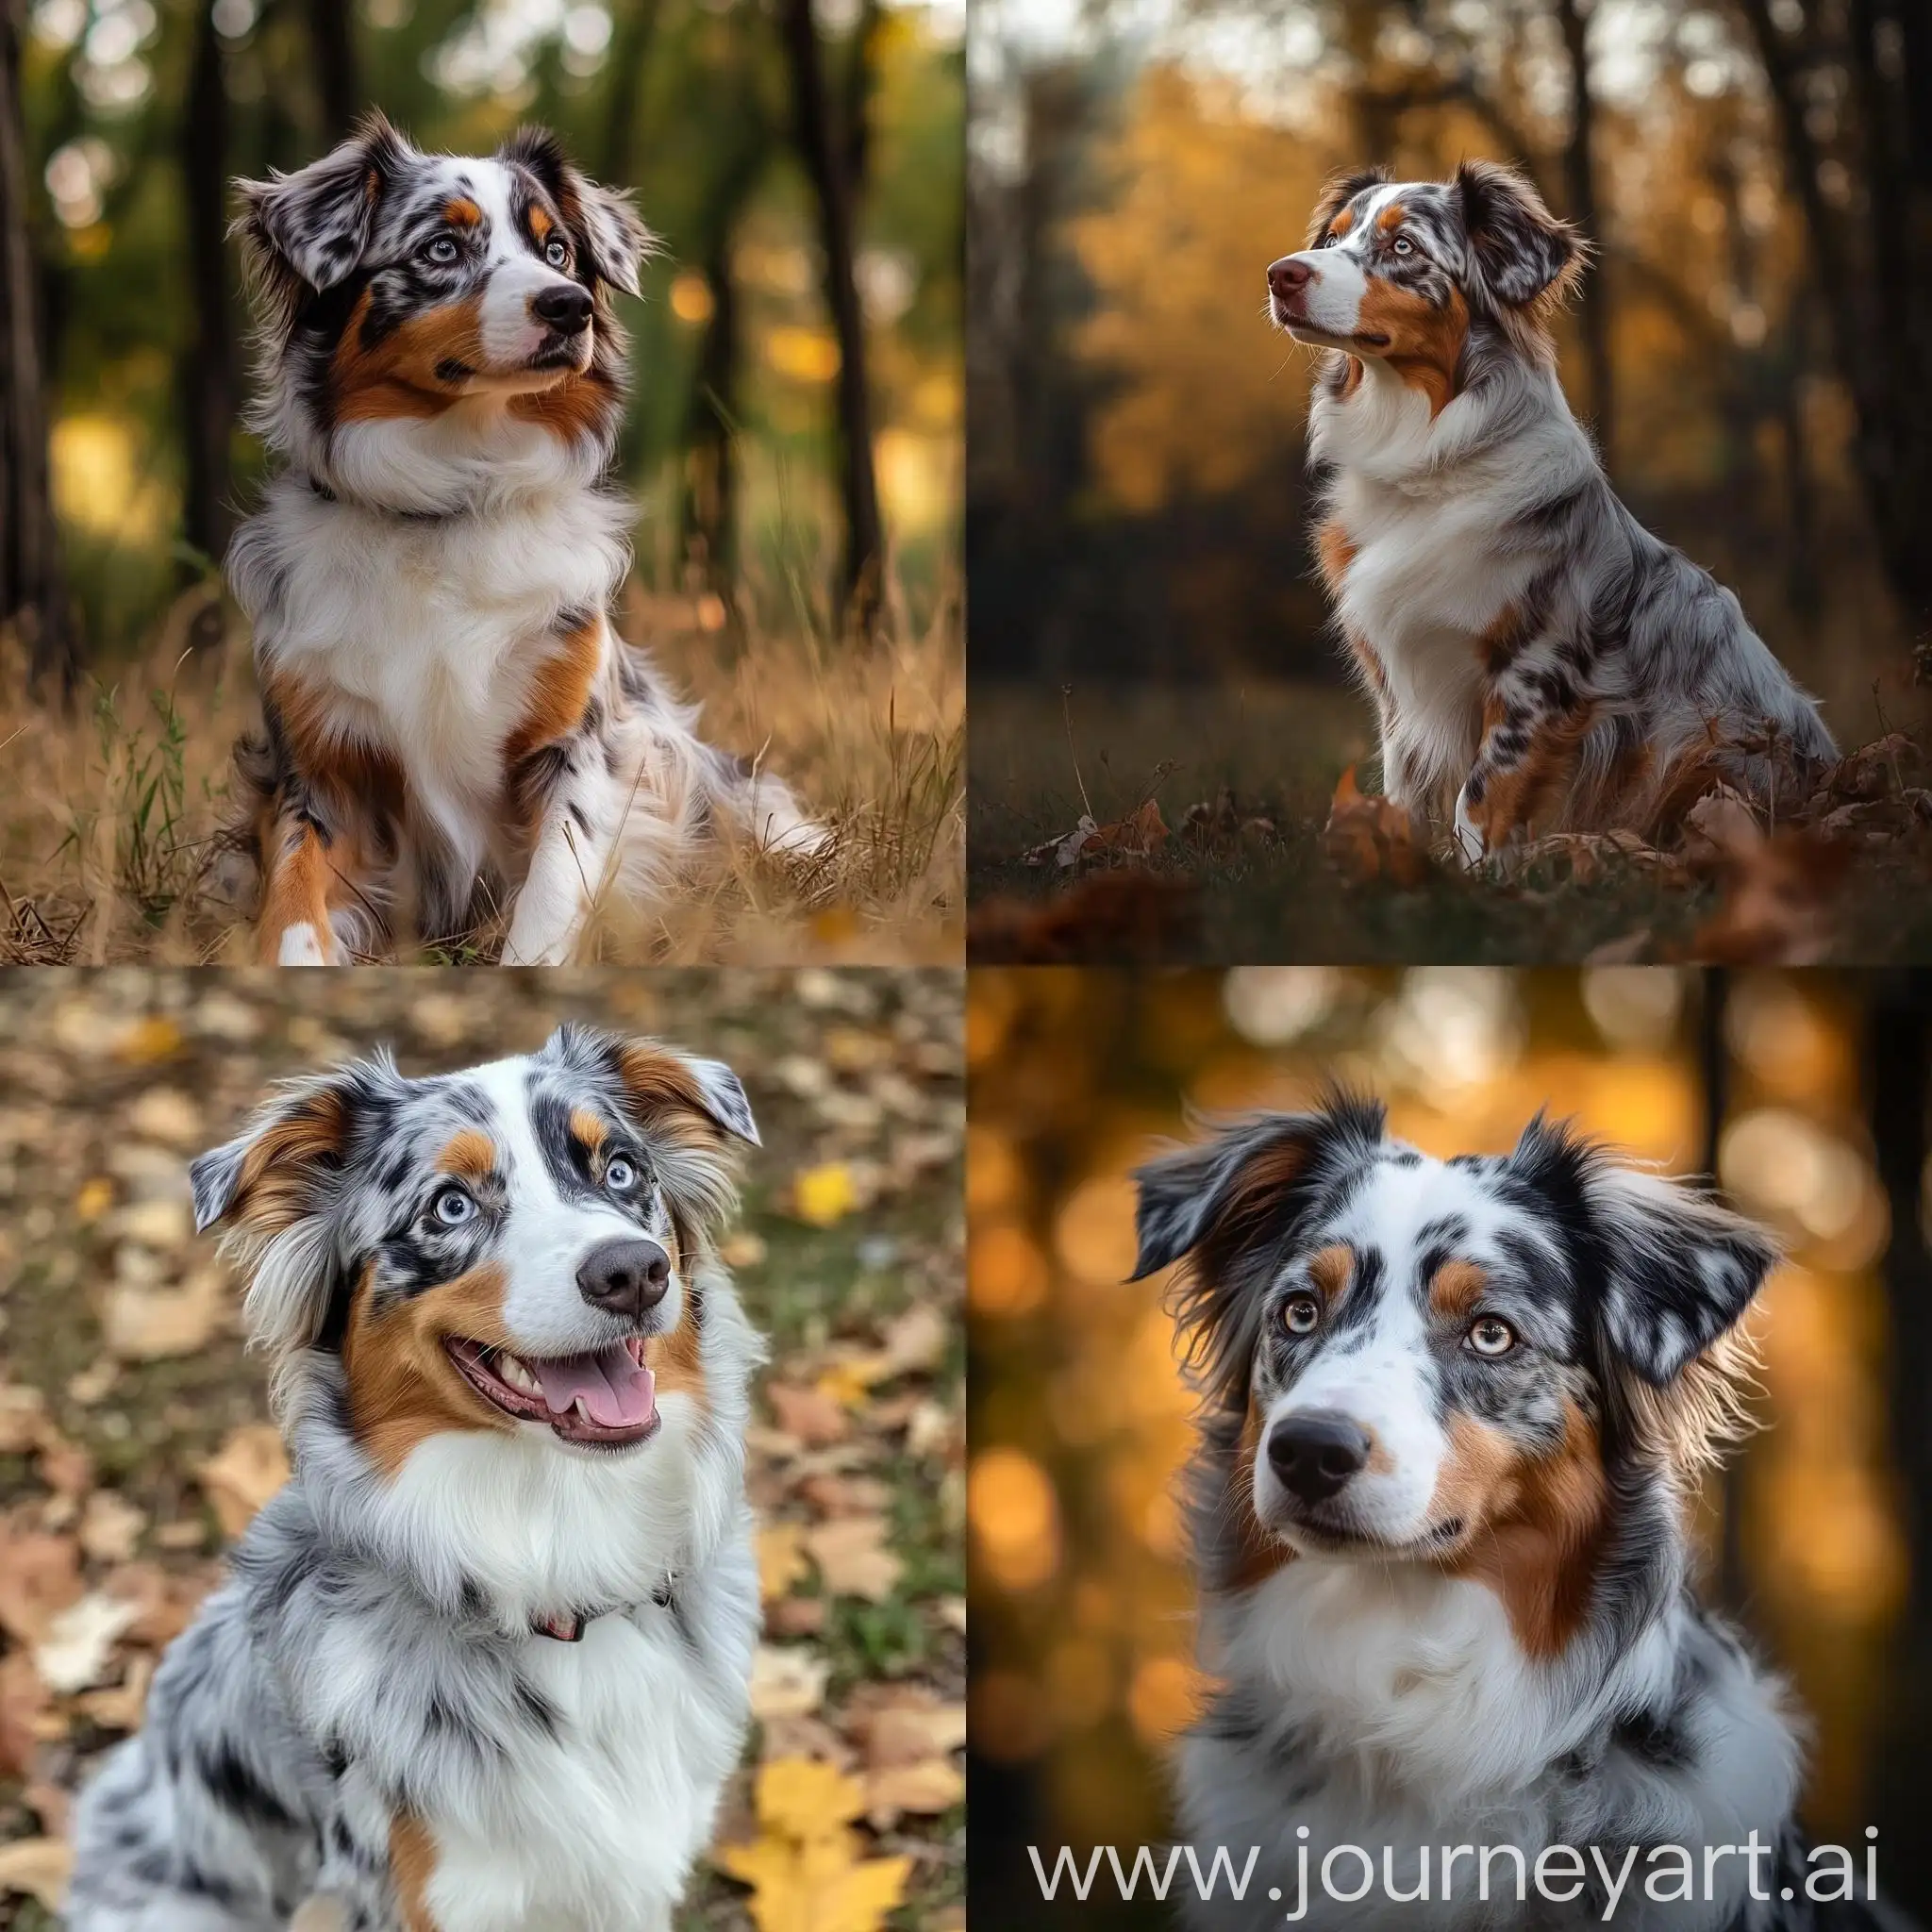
point(616, 1390)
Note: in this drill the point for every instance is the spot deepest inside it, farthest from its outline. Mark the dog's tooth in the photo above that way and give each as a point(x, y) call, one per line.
point(578, 1409)
point(514, 1370)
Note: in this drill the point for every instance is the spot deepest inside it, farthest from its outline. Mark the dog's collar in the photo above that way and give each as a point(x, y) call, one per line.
point(408, 516)
point(570, 1628)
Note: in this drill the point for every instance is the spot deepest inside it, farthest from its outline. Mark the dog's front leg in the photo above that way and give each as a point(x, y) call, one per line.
point(566, 874)
point(299, 880)
point(1534, 724)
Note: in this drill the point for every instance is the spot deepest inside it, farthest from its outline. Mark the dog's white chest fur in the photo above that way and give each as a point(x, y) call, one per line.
point(427, 631)
point(607, 1819)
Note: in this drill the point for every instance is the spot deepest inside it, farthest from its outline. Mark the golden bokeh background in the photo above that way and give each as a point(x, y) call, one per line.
point(1083, 1623)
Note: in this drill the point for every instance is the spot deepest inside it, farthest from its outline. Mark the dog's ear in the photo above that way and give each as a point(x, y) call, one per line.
point(611, 238)
point(1217, 1202)
point(1336, 193)
point(1523, 254)
point(271, 1190)
point(314, 225)
point(1676, 1269)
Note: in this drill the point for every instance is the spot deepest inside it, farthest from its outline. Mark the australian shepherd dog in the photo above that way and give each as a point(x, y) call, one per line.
point(1536, 657)
point(451, 725)
point(1453, 1417)
point(482, 1665)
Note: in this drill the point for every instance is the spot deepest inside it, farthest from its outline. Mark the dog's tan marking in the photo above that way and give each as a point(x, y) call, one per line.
point(1425, 343)
point(1260, 1555)
point(411, 1865)
point(461, 212)
point(587, 1129)
point(573, 409)
point(1537, 1525)
point(1455, 1289)
point(1352, 377)
point(1391, 218)
point(541, 223)
point(1334, 553)
point(1332, 1270)
point(398, 375)
point(403, 1387)
point(677, 1361)
point(1342, 223)
point(1514, 797)
point(297, 878)
point(559, 692)
point(1497, 646)
point(272, 1192)
point(472, 1153)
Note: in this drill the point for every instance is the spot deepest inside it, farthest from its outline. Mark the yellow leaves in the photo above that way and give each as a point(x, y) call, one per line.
point(805, 1868)
point(781, 1559)
point(850, 1554)
point(824, 1195)
point(94, 1198)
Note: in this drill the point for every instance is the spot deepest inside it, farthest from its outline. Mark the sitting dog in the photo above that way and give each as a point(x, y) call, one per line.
point(1536, 657)
point(1452, 1416)
point(482, 1665)
point(450, 721)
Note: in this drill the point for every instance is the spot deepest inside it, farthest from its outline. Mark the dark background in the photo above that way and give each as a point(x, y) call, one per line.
point(1756, 175)
point(1807, 1094)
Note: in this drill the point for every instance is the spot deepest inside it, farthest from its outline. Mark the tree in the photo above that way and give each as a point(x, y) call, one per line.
point(32, 592)
point(1579, 180)
point(825, 155)
point(1863, 177)
point(332, 29)
point(209, 387)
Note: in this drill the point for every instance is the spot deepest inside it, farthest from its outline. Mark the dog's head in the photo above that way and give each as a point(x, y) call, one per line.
point(1410, 1359)
point(518, 1249)
point(436, 295)
point(1395, 271)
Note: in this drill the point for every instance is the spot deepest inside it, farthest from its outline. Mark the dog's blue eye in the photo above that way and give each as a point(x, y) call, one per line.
point(443, 249)
point(557, 254)
point(453, 1207)
point(619, 1175)
point(1301, 1314)
point(1403, 246)
point(1491, 1337)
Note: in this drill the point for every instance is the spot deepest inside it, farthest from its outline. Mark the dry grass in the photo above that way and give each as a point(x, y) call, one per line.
point(109, 810)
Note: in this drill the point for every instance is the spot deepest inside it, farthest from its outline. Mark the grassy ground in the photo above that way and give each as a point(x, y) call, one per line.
point(121, 1373)
point(109, 809)
point(1264, 887)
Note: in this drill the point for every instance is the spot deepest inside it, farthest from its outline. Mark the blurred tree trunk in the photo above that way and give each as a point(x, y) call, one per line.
point(1872, 249)
point(33, 593)
point(629, 55)
point(332, 29)
point(209, 372)
point(1898, 1082)
point(1579, 180)
point(824, 152)
point(710, 502)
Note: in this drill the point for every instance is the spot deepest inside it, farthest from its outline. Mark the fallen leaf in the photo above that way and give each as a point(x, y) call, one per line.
point(917, 1340)
point(1371, 838)
point(95, 1197)
point(806, 1802)
point(1139, 835)
point(40, 1576)
point(23, 1702)
point(781, 1558)
point(786, 1682)
point(796, 1616)
point(1117, 917)
point(145, 1323)
point(120, 1707)
point(110, 1526)
point(824, 1195)
point(810, 1415)
point(73, 1653)
point(819, 1886)
point(742, 1249)
point(65, 1467)
point(846, 1495)
point(23, 1419)
point(915, 1727)
point(1777, 906)
point(38, 1867)
point(249, 1468)
point(928, 1788)
point(852, 1556)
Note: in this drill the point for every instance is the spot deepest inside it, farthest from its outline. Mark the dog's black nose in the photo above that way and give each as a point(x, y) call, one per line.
point(1315, 1453)
point(563, 305)
point(624, 1277)
point(1287, 274)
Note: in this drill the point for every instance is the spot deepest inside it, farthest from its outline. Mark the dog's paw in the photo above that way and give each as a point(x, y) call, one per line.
point(1470, 846)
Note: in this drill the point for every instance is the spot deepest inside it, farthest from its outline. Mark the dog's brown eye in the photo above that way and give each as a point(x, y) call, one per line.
point(1301, 1314)
point(1491, 1337)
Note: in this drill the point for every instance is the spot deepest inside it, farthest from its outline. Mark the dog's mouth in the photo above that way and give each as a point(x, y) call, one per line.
point(606, 1397)
point(562, 355)
point(1327, 1537)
